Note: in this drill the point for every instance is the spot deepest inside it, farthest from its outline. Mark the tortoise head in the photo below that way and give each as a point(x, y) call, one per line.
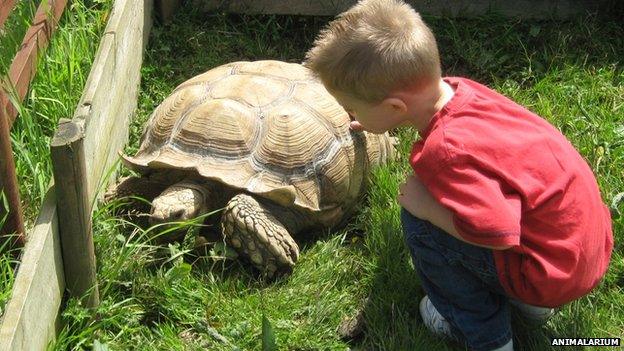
point(180, 202)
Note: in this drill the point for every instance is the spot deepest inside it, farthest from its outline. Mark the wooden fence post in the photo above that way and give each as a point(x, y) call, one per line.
point(74, 212)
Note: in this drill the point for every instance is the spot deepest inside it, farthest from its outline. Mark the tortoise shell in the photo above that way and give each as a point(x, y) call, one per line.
point(266, 127)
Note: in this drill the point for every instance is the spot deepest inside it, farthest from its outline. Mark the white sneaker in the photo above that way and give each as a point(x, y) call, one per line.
point(433, 320)
point(533, 314)
point(507, 347)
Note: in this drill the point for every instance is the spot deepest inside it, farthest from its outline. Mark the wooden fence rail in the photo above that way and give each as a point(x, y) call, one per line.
point(5, 9)
point(21, 73)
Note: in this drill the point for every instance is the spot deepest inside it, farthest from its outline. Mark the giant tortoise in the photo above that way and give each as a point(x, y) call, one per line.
point(267, 143)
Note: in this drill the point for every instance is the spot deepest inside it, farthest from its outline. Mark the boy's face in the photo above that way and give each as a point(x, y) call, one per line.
point(375, 118)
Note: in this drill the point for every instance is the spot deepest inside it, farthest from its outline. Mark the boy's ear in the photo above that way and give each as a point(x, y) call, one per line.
point(395, 104)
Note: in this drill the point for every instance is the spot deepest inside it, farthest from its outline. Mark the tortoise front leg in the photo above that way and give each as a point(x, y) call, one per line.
point(259, 233)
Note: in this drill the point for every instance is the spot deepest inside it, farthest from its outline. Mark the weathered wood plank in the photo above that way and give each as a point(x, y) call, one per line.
point(99, 84)
point(75, 213)
point(538, 9)
point(129, 58)
point(84, 148)
point(30, 319)
point(110, 95)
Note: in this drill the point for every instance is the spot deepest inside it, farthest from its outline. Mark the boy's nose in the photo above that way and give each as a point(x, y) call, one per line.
point(356, 126)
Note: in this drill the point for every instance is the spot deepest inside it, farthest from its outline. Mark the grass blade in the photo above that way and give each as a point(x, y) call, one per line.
point(268, 336)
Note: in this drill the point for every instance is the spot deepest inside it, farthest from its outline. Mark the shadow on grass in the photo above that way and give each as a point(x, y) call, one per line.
point(492, 48)
point(484, 48)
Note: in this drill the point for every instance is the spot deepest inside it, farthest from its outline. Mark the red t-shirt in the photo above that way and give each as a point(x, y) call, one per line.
point(511, 178)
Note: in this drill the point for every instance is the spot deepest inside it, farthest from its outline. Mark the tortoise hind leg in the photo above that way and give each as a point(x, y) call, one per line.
point(255, 231)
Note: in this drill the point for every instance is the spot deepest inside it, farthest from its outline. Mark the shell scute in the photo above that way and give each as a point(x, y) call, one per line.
point(318, 102)
point(293, 139)
point(208, 77)
point(274, 69)
point(164, 119)
point(218, 128)
point(252, 90)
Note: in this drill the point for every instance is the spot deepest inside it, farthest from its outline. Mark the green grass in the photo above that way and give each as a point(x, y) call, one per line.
point(7, 275)
point(53, 94)
point(569, 72)
point(13, 32)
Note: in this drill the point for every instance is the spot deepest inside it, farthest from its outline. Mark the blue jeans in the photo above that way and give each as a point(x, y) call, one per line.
point(461, 282)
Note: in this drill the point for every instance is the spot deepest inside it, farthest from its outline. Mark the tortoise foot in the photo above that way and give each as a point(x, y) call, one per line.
point(258, 235)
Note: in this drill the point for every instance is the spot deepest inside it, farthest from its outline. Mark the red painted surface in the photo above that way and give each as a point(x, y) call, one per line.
point(5, 9)
point(21, 72)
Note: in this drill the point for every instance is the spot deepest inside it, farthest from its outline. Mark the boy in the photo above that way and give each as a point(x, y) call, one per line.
point(501, 208)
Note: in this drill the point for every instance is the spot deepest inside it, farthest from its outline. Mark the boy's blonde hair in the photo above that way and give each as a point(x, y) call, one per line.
point(373, 48)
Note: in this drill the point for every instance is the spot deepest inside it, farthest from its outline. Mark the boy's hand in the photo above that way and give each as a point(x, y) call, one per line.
point(415, 198)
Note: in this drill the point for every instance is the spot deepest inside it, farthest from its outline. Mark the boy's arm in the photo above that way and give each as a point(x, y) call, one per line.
point(417, 200)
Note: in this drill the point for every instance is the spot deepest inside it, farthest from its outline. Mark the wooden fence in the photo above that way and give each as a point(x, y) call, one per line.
point(89, 141)
point(21, 72)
